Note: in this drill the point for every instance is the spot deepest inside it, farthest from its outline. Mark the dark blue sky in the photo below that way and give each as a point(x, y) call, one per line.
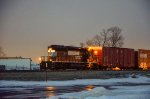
point(29, 26)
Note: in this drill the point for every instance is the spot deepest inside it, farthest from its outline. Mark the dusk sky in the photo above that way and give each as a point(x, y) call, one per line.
point(27, 27)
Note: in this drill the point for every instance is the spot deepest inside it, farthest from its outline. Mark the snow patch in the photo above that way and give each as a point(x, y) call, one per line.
point(121, 92)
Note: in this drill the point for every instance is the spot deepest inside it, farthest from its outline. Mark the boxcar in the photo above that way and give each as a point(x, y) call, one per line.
point(118, 57)
point(144, 59)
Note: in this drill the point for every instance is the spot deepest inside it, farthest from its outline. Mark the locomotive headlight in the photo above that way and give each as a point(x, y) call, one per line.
point(40, 59)
point(51, 50)
point(89, 48)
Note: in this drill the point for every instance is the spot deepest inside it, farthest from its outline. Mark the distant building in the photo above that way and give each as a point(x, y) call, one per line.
point(35, 66)
point(15, 63)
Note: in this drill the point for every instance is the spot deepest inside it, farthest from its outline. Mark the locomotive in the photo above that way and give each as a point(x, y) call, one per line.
point(64, 57)
point(92, 57)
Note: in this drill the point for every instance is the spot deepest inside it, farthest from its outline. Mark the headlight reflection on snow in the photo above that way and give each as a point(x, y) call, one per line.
point(49, 94)
point(50, 91)
point(89, 87)
point(50, 88)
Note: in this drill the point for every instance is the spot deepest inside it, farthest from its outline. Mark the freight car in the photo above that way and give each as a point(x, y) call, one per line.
point(122, 58)
point(144, 59)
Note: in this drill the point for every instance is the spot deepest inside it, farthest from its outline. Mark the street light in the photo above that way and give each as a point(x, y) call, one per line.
point(40, 59)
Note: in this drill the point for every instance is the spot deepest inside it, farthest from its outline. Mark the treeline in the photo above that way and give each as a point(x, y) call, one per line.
point(111, 37)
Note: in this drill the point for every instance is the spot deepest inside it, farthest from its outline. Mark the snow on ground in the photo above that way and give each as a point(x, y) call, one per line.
point(120, 92)
point(119, 88)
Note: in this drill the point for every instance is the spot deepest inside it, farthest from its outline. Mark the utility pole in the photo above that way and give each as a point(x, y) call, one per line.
point(46, 71)
point(30, 64)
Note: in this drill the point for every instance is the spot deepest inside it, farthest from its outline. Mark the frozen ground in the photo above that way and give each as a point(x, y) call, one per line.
point(115, 88)
point(117, 92)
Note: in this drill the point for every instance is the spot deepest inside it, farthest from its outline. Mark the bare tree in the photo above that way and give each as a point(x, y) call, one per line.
point(111, 37)
point(116, 38)
point(105, 37)
point(89, 42)
point(97, 40)
point(81, 44)
point(2, 54)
